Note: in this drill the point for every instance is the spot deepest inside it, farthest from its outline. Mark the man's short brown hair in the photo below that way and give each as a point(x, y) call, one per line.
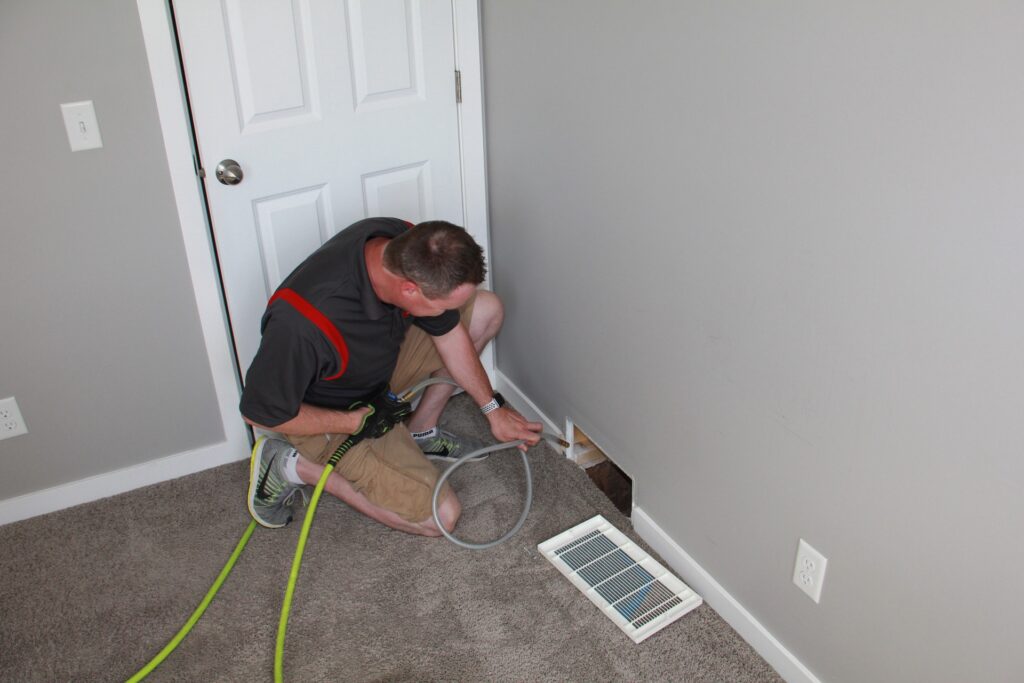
point(438, 256)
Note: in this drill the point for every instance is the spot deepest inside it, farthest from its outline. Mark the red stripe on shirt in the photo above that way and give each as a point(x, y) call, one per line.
point(314, 316)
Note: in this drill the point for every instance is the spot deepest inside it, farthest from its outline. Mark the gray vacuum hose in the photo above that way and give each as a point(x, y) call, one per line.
point(407, 395)
point(461, 461)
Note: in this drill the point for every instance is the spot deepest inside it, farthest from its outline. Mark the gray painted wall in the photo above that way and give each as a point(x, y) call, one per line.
point(100, 339)
point(771, 256)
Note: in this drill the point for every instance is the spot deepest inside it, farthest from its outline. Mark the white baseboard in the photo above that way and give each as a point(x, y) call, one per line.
point(719, 599)
point(523, 404)
point(182, 464)
point(118, 481)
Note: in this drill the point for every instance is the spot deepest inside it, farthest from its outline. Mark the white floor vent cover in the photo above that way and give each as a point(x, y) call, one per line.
point(626, 583)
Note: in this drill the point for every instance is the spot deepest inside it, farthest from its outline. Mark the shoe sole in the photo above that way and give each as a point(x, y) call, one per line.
point(257, 452)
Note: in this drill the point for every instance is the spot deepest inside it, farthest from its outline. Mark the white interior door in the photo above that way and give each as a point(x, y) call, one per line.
point(334, 111)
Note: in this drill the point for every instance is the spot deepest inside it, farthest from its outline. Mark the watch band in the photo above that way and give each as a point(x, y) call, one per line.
point(495, 403)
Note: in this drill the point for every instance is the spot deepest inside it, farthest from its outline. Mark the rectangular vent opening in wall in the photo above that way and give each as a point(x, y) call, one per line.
point(627, 584)
point(608, 477)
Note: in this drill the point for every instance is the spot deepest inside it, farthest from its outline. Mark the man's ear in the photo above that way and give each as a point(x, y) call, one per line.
point(408, 288)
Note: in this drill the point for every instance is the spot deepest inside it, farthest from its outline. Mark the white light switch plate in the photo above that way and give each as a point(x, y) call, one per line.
point(81, 125)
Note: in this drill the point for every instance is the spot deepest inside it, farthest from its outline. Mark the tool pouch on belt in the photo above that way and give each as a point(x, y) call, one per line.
point(386, 411)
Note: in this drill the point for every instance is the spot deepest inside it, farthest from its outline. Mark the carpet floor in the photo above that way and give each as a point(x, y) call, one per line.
point(93, 592)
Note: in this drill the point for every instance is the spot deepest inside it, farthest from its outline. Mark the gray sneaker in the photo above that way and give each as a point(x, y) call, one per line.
point(448, 446)
point(272, 498)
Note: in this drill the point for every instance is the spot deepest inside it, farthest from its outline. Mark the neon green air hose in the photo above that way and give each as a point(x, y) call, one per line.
point(300, 548)
point(180, 636)
point(282, 626)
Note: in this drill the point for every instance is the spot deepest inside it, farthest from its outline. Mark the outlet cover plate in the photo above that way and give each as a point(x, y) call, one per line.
point(11, 421)
point(809, 571)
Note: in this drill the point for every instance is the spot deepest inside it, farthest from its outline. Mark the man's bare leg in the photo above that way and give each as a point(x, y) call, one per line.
point(448, 510)
point(488, 315)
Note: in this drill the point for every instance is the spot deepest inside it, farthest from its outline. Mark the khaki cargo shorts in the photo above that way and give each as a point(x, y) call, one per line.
point(391, 471)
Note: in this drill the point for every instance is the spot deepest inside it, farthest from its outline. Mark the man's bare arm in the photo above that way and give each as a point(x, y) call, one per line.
point(462, 362)
point(316, 420)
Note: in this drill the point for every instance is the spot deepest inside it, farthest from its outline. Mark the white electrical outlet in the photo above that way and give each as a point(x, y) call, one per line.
point(809, 572)
point(11, 422)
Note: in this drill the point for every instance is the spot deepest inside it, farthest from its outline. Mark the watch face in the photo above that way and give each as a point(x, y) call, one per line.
point(499, 398)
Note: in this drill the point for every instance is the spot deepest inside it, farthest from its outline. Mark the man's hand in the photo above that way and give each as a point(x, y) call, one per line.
point(385, 411)
point(509, 425)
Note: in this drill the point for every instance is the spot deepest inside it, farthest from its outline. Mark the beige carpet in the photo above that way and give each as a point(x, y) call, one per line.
point(93, 592)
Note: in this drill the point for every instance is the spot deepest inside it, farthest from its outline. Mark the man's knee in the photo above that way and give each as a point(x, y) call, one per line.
point(488, 315)
point(448, 510)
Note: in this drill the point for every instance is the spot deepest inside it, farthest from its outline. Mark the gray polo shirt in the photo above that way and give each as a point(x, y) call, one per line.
point(327, 339)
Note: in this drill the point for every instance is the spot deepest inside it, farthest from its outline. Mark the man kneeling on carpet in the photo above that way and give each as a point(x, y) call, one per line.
point(380, 306)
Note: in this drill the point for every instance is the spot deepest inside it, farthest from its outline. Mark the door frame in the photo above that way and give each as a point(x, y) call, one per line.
point(164, 65)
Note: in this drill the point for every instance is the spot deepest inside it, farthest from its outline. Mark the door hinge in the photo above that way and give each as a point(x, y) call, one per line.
point(458, 87)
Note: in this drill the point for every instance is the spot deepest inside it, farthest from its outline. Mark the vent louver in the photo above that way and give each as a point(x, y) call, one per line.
point(626, 583)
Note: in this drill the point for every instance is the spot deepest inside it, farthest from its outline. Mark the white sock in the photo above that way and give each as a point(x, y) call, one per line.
point(291, 462)
point(425, 435)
